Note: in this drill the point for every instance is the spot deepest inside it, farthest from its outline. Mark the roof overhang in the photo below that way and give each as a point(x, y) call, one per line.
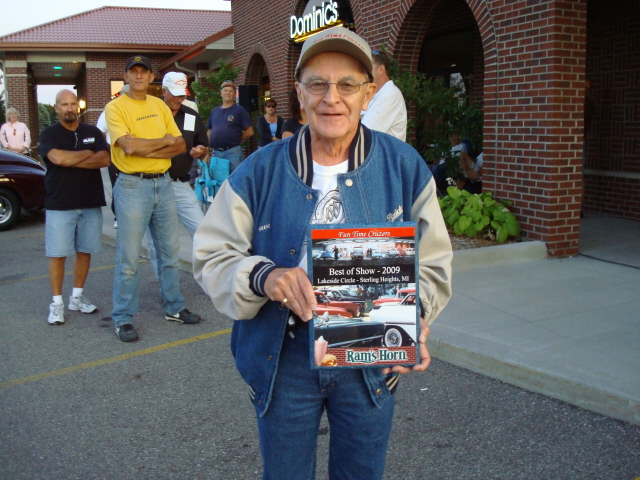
point(209, 50)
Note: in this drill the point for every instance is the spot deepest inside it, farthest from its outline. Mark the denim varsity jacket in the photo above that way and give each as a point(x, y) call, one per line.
point(258, 222)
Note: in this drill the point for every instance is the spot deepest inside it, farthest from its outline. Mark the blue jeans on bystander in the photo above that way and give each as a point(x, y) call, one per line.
point(141, 203)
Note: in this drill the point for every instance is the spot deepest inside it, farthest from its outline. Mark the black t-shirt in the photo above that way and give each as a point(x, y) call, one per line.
point(194, 134)
point(71, 188)
point(291, 125)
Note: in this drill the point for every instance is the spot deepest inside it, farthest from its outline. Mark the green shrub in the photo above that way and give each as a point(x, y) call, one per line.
point(469, 214)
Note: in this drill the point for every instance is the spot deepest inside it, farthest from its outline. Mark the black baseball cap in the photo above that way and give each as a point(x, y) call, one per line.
point(138, 60)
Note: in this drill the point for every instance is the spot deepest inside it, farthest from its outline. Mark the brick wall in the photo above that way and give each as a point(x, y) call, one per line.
point(19, 92)
point(533, 90)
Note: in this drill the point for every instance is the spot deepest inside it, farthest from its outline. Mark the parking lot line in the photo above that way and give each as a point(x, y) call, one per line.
point(106, 361)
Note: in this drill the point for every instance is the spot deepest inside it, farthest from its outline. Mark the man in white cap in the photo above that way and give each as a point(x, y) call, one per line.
point(249, 256)
point(174, 91)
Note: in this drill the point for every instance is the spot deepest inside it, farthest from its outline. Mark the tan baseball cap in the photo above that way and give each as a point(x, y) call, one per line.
point(336, 39)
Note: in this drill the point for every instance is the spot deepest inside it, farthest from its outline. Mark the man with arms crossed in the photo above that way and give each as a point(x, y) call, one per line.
point(387, 111)
point(144, 137)
point(249, 251)
point(174, 91)
point(74, 152)
point(228, 126)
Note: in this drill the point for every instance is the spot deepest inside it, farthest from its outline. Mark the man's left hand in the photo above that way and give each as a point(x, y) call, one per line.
point(425, 358)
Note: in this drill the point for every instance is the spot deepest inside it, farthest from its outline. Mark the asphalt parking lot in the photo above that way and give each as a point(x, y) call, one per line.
point(78, 404)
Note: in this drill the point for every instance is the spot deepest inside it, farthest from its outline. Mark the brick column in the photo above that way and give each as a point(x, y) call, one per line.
point(19, 91)
point(539, 118)
point(98, 86)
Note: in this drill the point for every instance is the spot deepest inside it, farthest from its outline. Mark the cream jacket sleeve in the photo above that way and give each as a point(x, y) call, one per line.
point(222, 259)
point(435, 253)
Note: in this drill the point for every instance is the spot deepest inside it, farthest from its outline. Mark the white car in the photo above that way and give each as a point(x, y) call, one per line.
point(399, 320)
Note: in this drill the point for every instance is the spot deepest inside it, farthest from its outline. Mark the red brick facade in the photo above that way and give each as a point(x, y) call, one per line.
point(529, 73)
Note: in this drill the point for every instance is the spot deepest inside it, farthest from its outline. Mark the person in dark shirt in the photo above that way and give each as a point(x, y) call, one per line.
point(73, 152)
point(269, 124)
point(174, 91)
point(228, 126)
point(298, 116)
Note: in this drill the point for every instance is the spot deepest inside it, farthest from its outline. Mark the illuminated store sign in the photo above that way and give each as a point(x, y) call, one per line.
point(316, 17)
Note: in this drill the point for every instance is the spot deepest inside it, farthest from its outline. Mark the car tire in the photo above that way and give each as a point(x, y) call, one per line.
point(392, 337)
point(9, 209)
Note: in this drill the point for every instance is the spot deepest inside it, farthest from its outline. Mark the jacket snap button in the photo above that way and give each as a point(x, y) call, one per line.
point(269, 357)
point(292, 251)
point(259, 402)
point(309, 197)
point(281, 307)
point(348, 182)
point(379, 391)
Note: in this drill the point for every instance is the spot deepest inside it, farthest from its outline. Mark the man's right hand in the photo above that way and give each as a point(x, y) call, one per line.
point(170, 139)
point(292, 287)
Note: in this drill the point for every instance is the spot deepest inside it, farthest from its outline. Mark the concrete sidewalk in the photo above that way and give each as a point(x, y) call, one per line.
point(566, 328)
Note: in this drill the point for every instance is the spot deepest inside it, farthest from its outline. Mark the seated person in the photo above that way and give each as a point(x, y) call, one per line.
point(470, 178)
point(439, 171)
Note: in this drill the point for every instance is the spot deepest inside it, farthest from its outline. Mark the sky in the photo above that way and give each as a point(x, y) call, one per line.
point(13, 19)
point(18, 15)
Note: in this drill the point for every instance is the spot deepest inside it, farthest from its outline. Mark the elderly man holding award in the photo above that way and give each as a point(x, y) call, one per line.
point(250, 257)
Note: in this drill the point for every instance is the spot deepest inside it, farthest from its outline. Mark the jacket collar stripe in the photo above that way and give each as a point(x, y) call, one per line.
point(302, 159)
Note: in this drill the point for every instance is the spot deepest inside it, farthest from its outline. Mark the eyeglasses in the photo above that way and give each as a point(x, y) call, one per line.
point(270, 106)
point(320, 87)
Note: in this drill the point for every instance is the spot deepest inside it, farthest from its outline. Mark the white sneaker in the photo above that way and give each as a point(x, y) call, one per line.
point(115, 224)
point(81, 303)
point(56, 314)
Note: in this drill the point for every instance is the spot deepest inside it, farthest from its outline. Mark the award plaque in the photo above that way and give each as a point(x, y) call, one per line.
point(365, 278)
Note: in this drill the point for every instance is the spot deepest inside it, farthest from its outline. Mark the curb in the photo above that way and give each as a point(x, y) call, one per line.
point(606, 402)
point(499, 255)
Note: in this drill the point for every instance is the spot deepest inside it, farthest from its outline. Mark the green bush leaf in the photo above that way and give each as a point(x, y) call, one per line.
point(501, 235)
point(471, 232)
point(512, 226)
point(495, 224)
point(453, 192)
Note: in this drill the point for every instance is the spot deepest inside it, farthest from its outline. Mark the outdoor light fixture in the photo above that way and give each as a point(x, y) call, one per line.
point(57, 74)
point(82, 104)
point(57, 68)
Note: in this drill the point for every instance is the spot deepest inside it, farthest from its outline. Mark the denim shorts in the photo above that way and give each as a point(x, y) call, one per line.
point(70, 231)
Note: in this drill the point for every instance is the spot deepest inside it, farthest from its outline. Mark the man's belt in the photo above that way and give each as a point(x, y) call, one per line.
point(223, 149)
point(184, 178)
point(147, 175)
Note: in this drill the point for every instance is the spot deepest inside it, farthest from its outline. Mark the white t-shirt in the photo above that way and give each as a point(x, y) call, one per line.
point(387, 112)
point(329, 207)
point(102, 125)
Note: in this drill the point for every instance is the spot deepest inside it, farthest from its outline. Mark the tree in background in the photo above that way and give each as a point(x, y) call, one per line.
point(208, 91)
point(46, 115)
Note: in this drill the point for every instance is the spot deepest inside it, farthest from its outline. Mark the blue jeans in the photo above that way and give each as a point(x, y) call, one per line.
point(234, 155)
point(189, 213)
point(288, 430)
point(141, 203)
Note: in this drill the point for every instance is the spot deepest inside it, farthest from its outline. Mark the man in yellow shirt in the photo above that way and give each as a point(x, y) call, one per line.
point(144, 137)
